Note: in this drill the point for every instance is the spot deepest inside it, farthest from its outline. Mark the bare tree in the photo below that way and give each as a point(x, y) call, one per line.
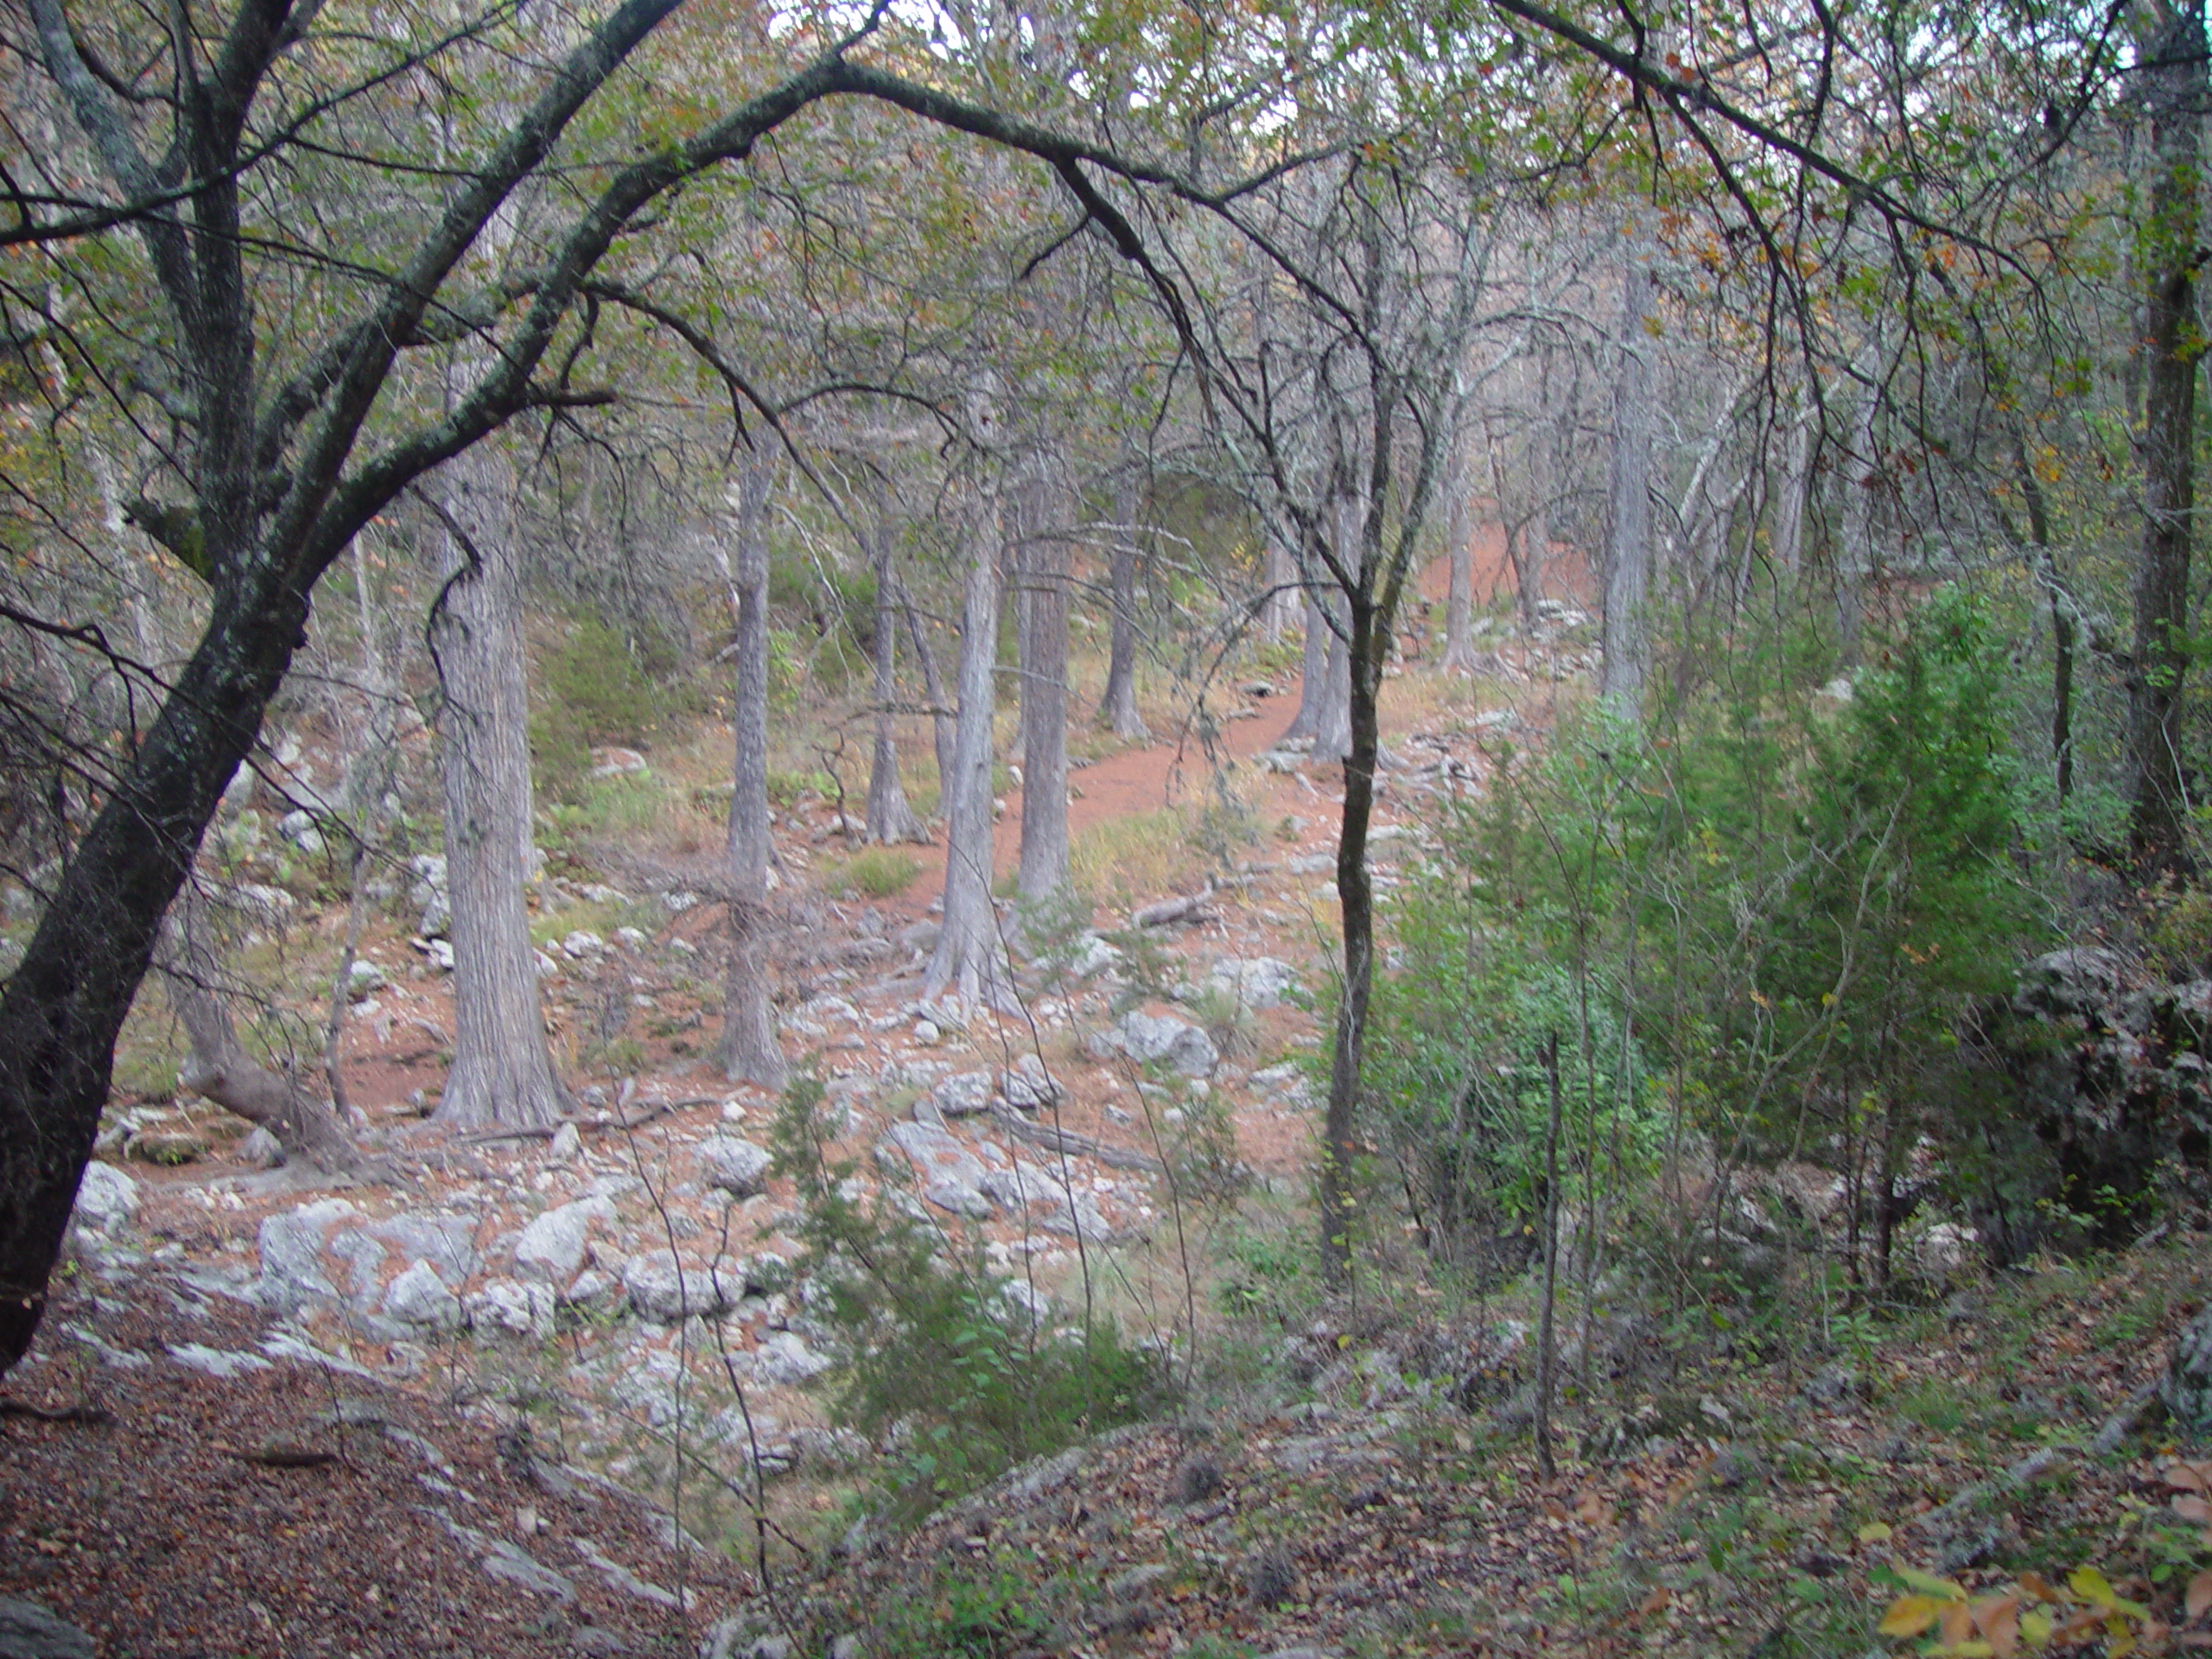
point(1117, 706)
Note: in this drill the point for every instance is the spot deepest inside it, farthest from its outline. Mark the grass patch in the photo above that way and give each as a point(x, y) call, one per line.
point(874, 872)
point(1135, 858)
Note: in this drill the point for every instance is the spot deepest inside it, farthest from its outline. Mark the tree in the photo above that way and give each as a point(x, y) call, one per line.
point(969, 958)
point(2177, 90)
point(748, 1049)
point(502, 1072)
point(236, 152)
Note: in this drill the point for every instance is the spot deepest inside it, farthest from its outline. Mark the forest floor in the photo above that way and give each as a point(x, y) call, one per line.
point(250, 1425)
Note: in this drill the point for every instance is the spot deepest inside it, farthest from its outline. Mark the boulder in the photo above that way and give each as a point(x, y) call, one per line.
point(783, 1358)
point(736, 1165)
point(510, 1307)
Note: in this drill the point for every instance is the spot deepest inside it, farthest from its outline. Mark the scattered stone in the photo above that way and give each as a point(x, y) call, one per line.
point(506, 1305)
point(1254, 981)
point(291, 1247)
point(1028, 1085)
point(736, 1166)
point(630, 939)
point(964, 1094)
point(662, 1287)
point(419, 1297)
point(261, 1149)
point(566, 1144)
point(364, 980)
point(613, 762)
point(1834, 1384)
point(107, 1199)
point(926, 1034)
point(1177, 1043)
point(784, 1357)
point(552, 1247)
point(583, 946)
point(952, 1176)
point(30, 1630)
point(228, 1365)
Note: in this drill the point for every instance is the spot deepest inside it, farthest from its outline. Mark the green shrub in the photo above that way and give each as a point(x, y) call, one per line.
point(589, 690)
point(941, 1358)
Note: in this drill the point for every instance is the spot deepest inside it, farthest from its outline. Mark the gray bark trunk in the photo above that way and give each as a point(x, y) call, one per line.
point(748, 1052)
point(1459, 537)
point(1044, 867)
point(1628, 540)
point(943, 718)
point(502, 1073)
point(889, 818)
point(970, 958)
point(1855, 555)
point(1117, 708)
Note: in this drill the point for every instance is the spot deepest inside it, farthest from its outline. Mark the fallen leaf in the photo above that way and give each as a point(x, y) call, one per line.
point(1911, 1615)
point(1874, 1531)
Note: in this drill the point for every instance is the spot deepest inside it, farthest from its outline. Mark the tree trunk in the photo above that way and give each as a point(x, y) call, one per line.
point(1043, 868)
point(501, 1073)
point(889, 818)
point(1356, 895)
point(1314, 677)
point(1628, 540)
point(1855, 557)
point(1117, 710)
point(2176, 91)
point(221, 1069)
point(1460, 552)
point(943, 718)
point(748, 1052)
point(970, 957)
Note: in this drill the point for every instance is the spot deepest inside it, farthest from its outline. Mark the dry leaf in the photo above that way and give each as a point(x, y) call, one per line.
point(1911, 1615)
point(2200, 1594)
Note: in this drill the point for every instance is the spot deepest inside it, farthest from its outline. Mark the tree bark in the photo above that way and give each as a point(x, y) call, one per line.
point(943, 718)
point(1628, 539)
point(970, 957)
point(1044, 867)
point(1356, 897)
point(1117, 708)
point(1459, 553)
point(502, 1073)
point(1855, 559)
point(2157, 785)
point(889, 818)
point(748, 1052)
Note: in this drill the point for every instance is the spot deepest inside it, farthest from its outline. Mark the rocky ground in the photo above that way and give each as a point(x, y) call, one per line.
point(477, 1397)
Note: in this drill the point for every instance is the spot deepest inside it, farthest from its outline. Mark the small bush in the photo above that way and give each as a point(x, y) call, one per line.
point(943, 1359)
point(590, 688)
point(876, 872)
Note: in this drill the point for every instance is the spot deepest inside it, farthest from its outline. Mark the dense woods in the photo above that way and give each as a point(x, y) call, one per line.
point(1702, 506)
